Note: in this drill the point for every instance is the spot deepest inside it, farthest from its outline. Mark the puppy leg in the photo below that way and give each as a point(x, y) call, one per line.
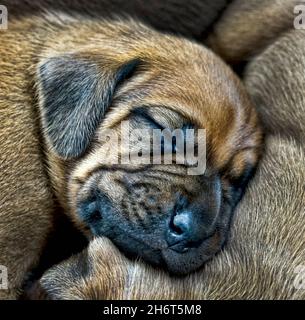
point(25, 198)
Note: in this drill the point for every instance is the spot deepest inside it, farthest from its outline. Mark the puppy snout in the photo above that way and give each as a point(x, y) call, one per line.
point(186, 231)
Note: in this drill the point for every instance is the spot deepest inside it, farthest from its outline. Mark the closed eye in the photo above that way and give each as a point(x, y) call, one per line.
point(143, 115)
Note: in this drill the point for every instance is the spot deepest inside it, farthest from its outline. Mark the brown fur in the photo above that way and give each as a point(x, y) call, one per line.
point(267, 244)
point(248, 26)
point(27, 206)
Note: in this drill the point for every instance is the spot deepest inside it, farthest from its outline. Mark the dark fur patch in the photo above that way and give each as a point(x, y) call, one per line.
point(75, 96)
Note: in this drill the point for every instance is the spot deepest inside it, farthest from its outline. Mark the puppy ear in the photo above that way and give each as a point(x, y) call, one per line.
point(74, 94)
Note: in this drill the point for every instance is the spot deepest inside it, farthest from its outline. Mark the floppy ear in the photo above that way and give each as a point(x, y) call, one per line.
point(74, 94)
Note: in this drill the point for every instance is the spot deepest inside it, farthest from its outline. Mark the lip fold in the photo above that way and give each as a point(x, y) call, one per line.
point(182, 263)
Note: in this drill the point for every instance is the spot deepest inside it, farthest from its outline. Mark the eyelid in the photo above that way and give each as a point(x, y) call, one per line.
point(154, 122)
point(144, 114)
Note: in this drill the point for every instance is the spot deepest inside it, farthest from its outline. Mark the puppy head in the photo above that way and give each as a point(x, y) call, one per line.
point(168, 214)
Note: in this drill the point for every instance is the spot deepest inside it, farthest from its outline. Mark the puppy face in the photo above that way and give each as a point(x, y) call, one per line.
point(159, 212)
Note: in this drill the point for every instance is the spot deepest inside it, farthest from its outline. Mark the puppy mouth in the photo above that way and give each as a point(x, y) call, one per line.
point(176, 259)
point(182, 262)
point(182, 247)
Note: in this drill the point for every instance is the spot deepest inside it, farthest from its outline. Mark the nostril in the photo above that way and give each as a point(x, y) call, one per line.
point(175, 229)
point(180, 232)
point(180, 224)
point(96, 215)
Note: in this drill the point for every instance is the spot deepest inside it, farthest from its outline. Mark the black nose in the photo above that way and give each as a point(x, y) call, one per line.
point(186, 230)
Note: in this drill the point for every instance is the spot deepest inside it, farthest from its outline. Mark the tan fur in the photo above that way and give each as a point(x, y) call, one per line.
point(27, 206)
point(248, 26)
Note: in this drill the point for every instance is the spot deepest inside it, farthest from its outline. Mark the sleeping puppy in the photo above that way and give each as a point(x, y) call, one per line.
point(155, 211)
point(265, 256)
point(68, 84)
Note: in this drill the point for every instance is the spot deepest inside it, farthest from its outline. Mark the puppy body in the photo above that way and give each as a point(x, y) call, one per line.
point(281, 103)
point(26, 207)
point(53, 59)
point(248, 26)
